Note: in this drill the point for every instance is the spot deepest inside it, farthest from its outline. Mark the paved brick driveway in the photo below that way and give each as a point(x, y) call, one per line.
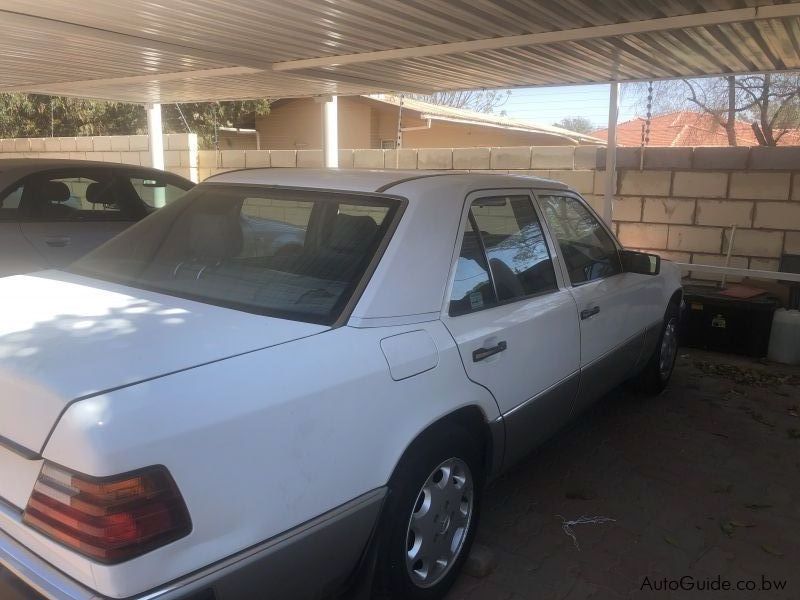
point(702, 481)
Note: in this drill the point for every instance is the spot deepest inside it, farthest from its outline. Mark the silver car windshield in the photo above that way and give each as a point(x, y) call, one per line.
point(293, 254)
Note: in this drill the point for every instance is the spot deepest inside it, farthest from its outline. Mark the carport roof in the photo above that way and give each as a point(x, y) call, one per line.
point(196, 50)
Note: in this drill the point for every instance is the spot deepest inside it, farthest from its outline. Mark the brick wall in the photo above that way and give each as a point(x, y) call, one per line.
point(180, 150)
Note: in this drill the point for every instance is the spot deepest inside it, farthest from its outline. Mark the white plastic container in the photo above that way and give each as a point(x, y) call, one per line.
point(784, 339)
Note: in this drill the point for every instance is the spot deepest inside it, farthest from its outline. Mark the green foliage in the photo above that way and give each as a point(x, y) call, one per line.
point(576, 124)
point(35, 115)
point(202, 118)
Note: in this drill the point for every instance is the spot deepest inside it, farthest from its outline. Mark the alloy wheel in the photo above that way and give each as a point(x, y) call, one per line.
point(439, 522)
point(669, 348)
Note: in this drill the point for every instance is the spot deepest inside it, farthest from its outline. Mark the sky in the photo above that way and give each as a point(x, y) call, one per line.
point(549, 105)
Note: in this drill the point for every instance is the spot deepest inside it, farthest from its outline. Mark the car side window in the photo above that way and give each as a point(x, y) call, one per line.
point(588, 250)
point(516, 250)
point(154, 192)
point(472, 286)
point(76, 196)
point(504, 255)
point(10, 203)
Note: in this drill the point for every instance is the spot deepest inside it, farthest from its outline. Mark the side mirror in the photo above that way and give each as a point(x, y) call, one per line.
point(640, 262)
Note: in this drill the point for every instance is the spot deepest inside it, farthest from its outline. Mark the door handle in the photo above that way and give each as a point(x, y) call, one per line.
point(57, 242)
point(482, 353)
point(589, 312)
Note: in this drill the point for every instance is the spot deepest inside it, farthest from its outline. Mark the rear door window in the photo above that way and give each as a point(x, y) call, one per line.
point(515, 246)
point(504, 255)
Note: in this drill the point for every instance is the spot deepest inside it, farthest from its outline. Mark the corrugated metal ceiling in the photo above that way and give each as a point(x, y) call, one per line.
point(149, 51)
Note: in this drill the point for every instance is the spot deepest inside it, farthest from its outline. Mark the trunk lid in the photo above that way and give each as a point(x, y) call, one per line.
point(65, 337)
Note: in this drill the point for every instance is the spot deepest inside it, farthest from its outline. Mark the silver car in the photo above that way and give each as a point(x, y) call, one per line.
point(54, 211)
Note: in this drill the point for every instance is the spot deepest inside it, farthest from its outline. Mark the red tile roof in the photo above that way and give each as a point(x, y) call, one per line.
point(688, 129)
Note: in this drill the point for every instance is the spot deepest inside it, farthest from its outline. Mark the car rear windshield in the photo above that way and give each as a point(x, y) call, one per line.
point(293, 254)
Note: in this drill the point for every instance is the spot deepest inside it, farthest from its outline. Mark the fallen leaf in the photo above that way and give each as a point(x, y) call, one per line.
point(771, 550)
point(741, 524)
point(727, 527)
point(671, 541)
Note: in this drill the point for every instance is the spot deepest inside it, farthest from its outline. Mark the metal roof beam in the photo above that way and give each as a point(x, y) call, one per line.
point(721, 17)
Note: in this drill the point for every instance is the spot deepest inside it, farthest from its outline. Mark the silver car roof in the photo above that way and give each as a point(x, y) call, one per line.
point(362, 180)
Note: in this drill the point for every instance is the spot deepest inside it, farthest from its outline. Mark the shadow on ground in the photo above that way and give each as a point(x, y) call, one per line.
point(702, 481)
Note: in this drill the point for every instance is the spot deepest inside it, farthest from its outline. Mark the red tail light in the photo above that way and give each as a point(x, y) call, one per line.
point(110, 519)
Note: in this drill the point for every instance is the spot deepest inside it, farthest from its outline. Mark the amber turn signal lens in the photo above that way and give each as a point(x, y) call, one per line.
point(109, 519)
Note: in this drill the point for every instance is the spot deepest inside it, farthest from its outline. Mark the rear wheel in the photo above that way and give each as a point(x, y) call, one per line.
point(658, 371)
point(430, 517)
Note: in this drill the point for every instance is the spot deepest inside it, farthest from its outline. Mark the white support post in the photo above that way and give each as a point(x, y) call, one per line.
point(611, 153)
point(330, 132)
point(155, 135)
point(155, 132)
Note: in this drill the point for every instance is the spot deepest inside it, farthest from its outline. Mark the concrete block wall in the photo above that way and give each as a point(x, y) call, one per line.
point(685, 202)
point(679, 202)
point(180, 150)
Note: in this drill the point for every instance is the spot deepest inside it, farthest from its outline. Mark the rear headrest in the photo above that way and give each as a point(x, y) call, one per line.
point(351, 232)
point(55, 192)
point(99, 193)
point(215, 236)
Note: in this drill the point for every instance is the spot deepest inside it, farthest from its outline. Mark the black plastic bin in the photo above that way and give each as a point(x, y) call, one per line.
point(715, 322)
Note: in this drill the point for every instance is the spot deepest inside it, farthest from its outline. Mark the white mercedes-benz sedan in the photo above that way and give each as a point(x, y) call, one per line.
point(288, 383)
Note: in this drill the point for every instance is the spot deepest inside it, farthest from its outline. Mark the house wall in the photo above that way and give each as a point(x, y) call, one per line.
point(297, 125)
point(455, 135)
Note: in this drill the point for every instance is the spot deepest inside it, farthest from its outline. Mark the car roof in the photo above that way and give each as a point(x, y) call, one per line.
point(13, 168)
point(363, 180)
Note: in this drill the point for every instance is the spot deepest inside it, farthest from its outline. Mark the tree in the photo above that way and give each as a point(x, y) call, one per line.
point(203, 118)
point(576, 124)
point(769, 102)
point(484, 101)
point(36, 115)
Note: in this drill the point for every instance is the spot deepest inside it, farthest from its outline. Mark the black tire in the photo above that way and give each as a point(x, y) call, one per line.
point(657, 373)
point(392, 577)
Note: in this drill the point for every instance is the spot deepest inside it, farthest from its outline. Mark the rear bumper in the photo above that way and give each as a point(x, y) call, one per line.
point(312, 560)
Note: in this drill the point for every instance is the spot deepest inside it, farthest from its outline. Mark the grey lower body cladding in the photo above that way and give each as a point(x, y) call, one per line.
point(312, 560)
